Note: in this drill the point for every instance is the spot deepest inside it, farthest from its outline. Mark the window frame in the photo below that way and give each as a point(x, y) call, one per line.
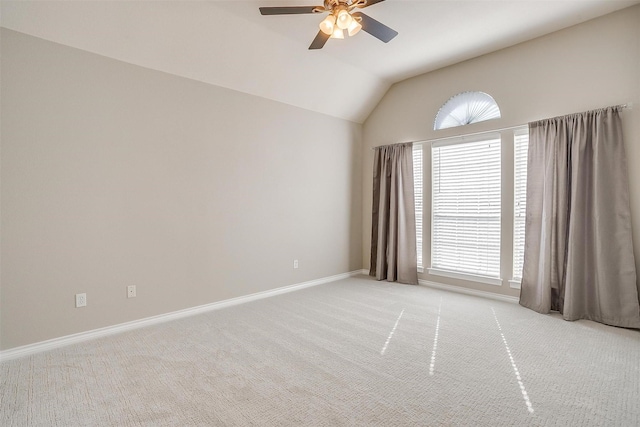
point(464, 275)
point(516, 280)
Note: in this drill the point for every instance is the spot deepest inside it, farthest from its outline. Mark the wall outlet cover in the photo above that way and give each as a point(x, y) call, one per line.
point(81, 300)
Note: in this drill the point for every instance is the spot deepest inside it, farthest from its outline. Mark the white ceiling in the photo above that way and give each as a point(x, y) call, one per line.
point(229, 44)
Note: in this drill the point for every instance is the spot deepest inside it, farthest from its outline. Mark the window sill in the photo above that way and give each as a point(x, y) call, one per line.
point(515, 284)
point(420, 269)
point(496, 281)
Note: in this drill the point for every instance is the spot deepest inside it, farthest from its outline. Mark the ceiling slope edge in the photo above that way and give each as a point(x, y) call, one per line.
point(171, 41)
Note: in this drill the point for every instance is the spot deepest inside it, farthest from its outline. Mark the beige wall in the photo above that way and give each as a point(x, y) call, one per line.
point(114, 175)
point(589, 66)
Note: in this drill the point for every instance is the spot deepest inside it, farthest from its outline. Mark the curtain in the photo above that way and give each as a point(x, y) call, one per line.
point(393, 231)
point(578, 256)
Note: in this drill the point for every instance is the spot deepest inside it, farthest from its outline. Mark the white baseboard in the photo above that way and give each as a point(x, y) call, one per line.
point(467, 291)
point(51, 344)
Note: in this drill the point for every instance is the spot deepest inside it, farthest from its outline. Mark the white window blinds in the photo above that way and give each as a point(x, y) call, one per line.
point(466, 207)
point(418, 191)
point(521, 141)
point(466, 108)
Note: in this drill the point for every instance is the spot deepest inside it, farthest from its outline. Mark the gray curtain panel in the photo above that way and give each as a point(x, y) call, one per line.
point(578, 256)
point(393, 233)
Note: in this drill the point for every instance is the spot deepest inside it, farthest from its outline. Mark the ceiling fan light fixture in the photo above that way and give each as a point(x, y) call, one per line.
point(344, 19)
point(354, 27)
point(328, 24)
point(337, 33)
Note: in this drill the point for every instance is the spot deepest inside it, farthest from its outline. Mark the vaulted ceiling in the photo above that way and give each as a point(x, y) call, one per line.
point(229, 44)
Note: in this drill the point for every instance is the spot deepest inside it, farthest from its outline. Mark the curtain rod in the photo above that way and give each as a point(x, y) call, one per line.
point(422, 141)
point(628, 105)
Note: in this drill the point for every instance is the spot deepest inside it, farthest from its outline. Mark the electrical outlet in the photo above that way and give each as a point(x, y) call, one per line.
point(131, 291)
point(81, 300)
point(295, 263)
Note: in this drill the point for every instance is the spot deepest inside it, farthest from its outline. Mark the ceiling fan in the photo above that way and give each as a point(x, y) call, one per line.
point(341, 19)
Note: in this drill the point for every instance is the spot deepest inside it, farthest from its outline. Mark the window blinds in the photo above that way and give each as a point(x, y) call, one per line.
point(521, 145)
point(418, 191)
point(465, 108)
point(466, 207)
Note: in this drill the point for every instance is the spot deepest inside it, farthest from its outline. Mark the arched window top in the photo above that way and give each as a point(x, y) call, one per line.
point(465, 108)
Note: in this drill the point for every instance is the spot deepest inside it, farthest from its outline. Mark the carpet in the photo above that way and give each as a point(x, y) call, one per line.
point(356, 352)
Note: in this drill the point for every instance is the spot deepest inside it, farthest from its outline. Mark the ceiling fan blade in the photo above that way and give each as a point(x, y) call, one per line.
point(375, 28)
point(372, 2)
point(293, 10)
point(319, 41)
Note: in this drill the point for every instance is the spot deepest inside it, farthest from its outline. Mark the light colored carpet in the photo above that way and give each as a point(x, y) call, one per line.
point(353, 352)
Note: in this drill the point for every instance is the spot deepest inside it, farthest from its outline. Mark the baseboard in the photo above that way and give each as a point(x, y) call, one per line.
point(54, 343)
point(467, 291)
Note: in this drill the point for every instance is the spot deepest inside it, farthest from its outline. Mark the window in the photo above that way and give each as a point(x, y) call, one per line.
point(466, 108)
point(521, 146)
point(417, 188)
point(466, 209)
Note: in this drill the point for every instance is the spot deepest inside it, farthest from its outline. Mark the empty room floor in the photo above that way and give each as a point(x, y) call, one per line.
point(352, 352)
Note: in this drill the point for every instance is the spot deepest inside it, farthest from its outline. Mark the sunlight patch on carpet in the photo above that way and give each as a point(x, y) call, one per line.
point(384, 348)
point(435, 341)
point(525, 396)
